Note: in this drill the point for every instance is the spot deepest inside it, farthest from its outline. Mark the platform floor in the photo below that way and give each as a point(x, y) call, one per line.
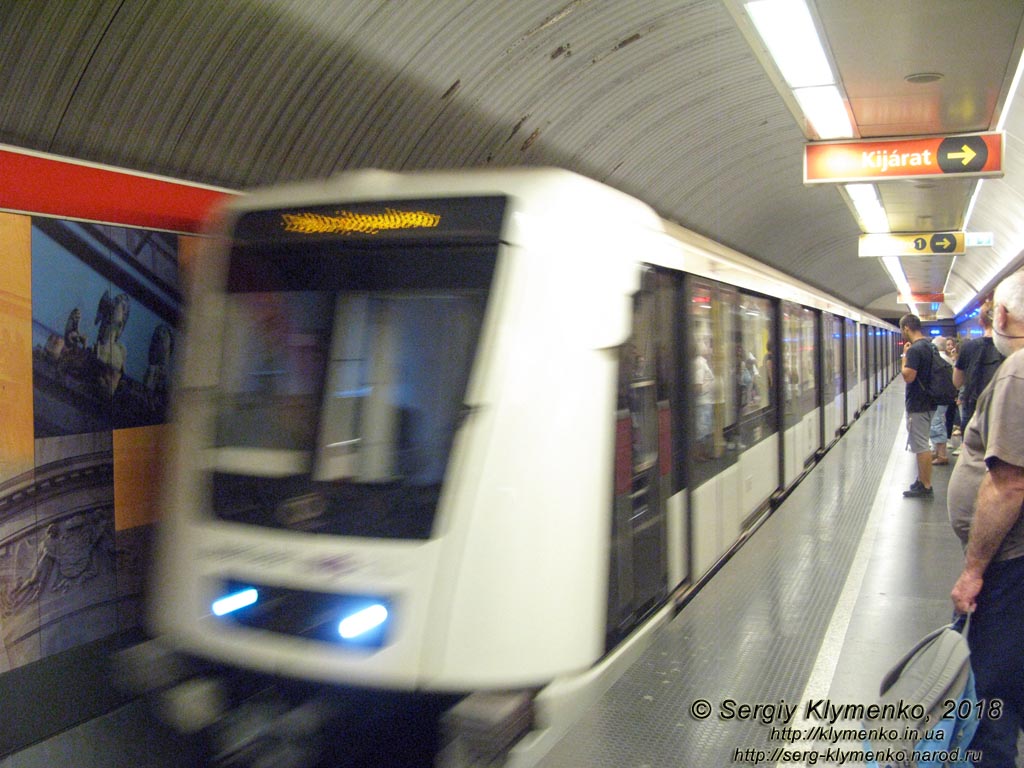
point(818, 604)
point(835, 586)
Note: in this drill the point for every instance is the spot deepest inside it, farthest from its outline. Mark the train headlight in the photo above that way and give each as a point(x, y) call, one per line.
point(235, 601)
point(364, 622)
point(357, 621)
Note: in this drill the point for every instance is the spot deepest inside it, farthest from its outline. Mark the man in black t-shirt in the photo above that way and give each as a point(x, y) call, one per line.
point(977, 364)
point(916, 368)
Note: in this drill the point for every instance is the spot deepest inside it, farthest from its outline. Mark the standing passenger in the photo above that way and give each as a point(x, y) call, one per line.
point(704, 388)
point(938, 433)
point(917, 358)
point(976, 365)
point(986, 492)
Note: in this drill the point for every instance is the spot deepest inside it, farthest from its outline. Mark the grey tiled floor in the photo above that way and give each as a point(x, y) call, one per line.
point(811, 607)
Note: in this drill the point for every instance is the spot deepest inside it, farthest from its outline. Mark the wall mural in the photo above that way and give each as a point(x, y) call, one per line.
point(104, 302)
point(75, 526)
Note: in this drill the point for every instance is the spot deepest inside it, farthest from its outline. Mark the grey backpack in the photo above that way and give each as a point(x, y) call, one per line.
point(927, 710)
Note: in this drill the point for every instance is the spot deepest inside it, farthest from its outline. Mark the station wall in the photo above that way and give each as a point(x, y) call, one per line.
point(88, 329)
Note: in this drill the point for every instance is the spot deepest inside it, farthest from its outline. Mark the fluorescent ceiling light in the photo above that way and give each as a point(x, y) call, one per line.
point(824, 108)
point(869, 209)
point(971, 204)
point(895, 269)
point(789, 34)
point(1010, 95)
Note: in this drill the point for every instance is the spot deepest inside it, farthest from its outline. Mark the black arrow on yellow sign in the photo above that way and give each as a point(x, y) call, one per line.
point(943, 243)
point(962, 154)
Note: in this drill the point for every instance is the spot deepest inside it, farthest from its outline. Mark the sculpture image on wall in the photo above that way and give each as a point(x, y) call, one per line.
point(104, 302)
point(58, 554)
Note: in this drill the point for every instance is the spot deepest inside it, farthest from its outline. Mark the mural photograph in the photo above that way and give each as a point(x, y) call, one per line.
point(104, 302)
point(88, 344)
point(57, 564)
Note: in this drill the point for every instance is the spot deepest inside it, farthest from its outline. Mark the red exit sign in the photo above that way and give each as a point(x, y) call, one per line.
point(979, 154)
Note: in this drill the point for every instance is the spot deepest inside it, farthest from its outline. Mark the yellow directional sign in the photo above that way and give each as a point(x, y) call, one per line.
point(912, 244)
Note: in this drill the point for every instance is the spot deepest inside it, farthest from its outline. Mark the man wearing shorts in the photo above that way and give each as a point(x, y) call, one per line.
point(916, 368)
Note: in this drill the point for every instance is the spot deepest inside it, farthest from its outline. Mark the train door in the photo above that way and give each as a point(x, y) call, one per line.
point(879, 355)
point(832, 377)
point(851, 372)
point(800, 370)
point(821, 392)
point(865, 368)
point(712, 458)
point(883, 360)
point(895, 350)
point(884, 339)
point(648, 404)
point(758, 442)
point(872, 365)
point(810, 382)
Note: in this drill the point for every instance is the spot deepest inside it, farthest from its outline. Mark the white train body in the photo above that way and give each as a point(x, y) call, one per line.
point(472, 377)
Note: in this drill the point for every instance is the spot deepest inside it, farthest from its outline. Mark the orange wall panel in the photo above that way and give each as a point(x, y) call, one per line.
point(17, 433)
point(138, 474)
point(188, 249)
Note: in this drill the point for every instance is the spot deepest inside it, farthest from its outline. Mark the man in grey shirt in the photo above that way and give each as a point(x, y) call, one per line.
point(986, 493)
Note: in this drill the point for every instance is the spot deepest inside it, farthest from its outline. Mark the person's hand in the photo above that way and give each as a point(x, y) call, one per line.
point(965, 592)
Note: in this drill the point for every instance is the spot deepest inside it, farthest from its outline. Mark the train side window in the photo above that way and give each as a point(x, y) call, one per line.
point(852, 375)
point(714, 378)
point(836, 356)
point(808, 351)
point(789, 368)
point(271, 371)
point(755, 365)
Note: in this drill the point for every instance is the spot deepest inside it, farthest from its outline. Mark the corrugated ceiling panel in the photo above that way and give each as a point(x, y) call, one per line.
point(997, 211)
point(663, 99)
point(46, 47)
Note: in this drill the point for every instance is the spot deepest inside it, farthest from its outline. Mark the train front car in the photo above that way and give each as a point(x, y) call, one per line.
point(394, 454)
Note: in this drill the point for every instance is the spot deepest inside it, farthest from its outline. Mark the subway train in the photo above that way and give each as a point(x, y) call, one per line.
point(479, 433)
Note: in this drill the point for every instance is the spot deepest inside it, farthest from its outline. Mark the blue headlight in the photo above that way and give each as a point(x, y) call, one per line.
point(363, 621)
point(243, 598)
point(356, 621)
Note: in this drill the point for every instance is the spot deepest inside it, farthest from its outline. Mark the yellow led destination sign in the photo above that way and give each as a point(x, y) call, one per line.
point(912, 244)
point(420, 220)
point(347, 222)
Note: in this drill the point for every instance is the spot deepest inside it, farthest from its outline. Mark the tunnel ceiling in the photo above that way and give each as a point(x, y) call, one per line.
point(664, 100)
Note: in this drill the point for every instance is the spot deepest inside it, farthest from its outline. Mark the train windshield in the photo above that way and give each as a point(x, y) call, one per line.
point(342, 383)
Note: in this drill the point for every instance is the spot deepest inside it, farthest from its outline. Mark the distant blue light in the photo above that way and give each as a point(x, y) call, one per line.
point(235, 601)
point(362, 621)
point(935, 331)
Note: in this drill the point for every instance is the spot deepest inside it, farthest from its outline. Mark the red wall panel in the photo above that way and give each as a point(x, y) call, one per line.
point(48, 185)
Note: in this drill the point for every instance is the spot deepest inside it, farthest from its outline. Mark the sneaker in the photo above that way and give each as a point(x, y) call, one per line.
point(917, 490)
